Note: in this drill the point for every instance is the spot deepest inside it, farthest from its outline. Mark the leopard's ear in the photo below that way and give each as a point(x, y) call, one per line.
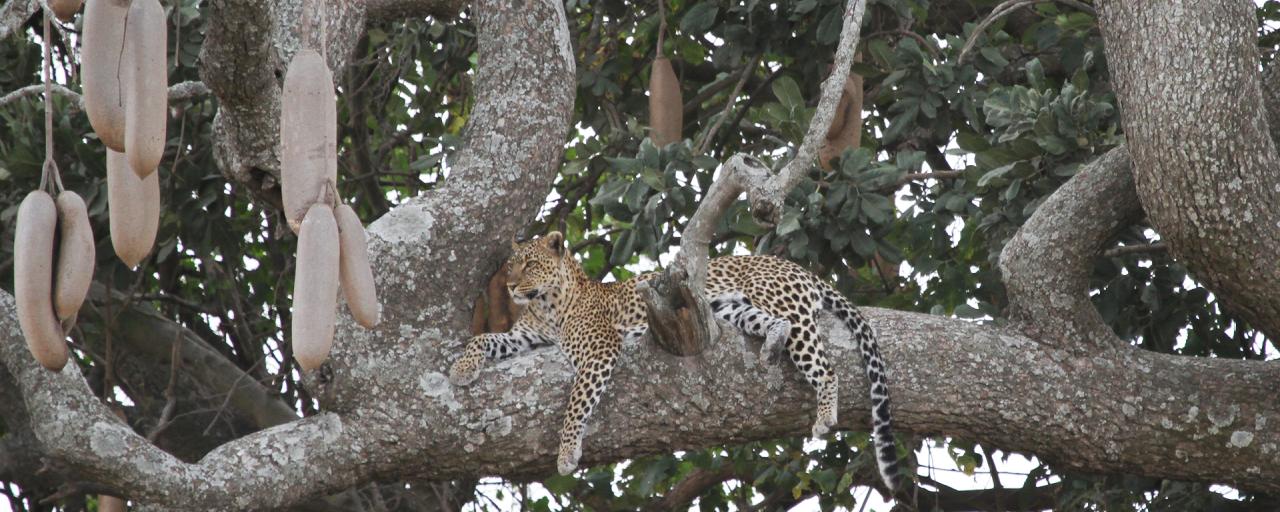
point(515, 246)
point(555, 242)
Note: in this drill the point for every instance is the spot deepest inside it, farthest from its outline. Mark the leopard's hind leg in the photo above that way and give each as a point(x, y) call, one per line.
point(737, 309)
point(798, 335)
point(809, 356)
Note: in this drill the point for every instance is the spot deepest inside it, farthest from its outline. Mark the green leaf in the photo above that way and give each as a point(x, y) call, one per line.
point(789, 224)
point(636, 192)
point(971, 142)
point(829, 27)
point(826, 479)
point(572, 168)
point(855, 161)
point(788, 92)
point(560, 484)
point(623, 248)
point(1011, 192)
point(653, 179)
point(652, 474)
point(995, 173)
point(862, 244)
point(1035, 74)
point(699, 18)
point(994, 56)
point(609, 193)
point(846, 481)
point(877, 208)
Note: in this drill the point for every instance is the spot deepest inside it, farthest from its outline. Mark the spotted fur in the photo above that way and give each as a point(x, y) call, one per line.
point(761, 295)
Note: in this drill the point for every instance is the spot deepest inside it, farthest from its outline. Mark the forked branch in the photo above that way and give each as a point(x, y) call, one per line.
point(1047, 264)
point(678, 312)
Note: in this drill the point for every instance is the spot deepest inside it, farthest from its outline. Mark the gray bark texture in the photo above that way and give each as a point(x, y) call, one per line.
point(1120, 411)
point(1041, 385)
point(1064, 235)
point(1205, 165)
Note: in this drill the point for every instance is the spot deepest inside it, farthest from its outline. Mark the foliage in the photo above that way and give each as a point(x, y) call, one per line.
point(956, 155)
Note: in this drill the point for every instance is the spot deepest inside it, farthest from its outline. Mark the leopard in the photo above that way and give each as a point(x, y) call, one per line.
point(763, 296)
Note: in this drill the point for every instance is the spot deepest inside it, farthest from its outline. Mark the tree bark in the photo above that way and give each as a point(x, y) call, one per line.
point(1122, 411)
point(1047, 265)
point(1205, 165)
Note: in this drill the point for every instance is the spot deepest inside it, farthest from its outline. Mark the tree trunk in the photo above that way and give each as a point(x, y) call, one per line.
point(1205, 166)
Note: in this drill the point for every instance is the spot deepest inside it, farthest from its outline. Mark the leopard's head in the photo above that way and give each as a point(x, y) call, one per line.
point(536, 269)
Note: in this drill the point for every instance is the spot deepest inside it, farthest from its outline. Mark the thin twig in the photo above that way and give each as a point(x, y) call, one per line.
point(177, 92)
point(995, 478)
point(1007, 8)
point(189, 304)
point(728, 106)
point(708, 92)
point(928, 45)
point(662, 25)
point(935, 175)
point(33, 90)
point(170, 392)
point(230, 391)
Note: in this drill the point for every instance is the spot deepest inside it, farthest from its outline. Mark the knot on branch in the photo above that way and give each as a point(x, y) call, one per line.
point(766, 210)
point(679, 317)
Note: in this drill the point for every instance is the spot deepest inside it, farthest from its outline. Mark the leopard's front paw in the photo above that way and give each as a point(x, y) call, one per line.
point(463, 373)
point(819, 429)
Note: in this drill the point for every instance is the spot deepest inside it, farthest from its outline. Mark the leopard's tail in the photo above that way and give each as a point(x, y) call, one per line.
point(881, 418)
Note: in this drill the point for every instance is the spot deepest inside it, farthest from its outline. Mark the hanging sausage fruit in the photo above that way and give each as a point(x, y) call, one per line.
point(666, 106)
point(332, 246)
point(49, 290)
point(100, 52)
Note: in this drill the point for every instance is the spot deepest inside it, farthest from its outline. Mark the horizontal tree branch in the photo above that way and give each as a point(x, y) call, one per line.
point(177, 92)
point(1120, 411)
point(400, 9)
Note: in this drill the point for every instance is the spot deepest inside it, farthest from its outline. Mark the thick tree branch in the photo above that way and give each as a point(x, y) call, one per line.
point(448, 242)
point(1047, 264)
point(142, 333)
point(1176, 417)
point(1204, 160)
point(400, 9)
point(767, 193)
point(693, 485)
